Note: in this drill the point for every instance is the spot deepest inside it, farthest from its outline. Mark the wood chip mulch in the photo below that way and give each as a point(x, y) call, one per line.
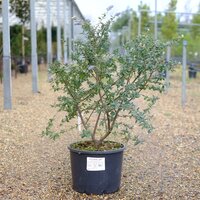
point(166, 165)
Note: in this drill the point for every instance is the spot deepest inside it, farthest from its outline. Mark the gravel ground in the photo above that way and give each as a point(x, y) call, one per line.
point(166, 165)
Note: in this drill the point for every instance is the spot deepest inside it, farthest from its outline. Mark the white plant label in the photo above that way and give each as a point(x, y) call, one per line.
point(95, 164)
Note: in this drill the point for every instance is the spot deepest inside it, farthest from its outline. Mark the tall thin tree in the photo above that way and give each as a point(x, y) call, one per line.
point(21, 9)
point(169, 25)
point(195, 30)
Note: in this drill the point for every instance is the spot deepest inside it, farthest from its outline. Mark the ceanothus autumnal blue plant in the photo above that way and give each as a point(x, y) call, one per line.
point(102, 87)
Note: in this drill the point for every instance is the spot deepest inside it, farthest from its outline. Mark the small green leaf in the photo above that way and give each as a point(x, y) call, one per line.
point(86, 134)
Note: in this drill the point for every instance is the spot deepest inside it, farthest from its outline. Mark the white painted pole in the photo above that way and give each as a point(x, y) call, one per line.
point(155, 23)
point(130, 21)
point(140, 19)
point(72, 25)
point(65, 31)
point(139, 23)
point(49, 38)
point(59, 50)
point(70, 28)
point(7, 81)
point(167, 71)
point(183, 100)
point(34, 59)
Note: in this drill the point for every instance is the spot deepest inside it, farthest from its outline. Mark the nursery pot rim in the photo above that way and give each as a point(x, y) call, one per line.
point(79, 151)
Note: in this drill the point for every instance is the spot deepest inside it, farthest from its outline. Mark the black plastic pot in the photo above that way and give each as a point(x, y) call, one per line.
point(192, 71)
point(96, 172)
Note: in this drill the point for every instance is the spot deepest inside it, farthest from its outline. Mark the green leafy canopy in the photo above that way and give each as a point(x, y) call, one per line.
point(104, 88)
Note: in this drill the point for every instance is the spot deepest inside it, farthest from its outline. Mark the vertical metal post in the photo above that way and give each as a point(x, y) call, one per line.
point(140, 19)
point(124, 29)
point(23, 45)
point(139, 22)
point(167, 71)
point(34, 59)
point(7, 81)
point(65, 31)
point(130, 25)
point(155, 23)
point(72, 25)
point(49, 39)
point(59, 50)
point(183, 100)
point(69, 29)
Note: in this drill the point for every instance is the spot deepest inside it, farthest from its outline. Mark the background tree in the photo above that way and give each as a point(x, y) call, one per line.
point(195, 30)
point(41, 42)
point(160, 17)
point(16, 38)
point(21, 8)
point(145, 17)
point(129, 19)
point(54, 41)
point(134, 25)
point(169, 25)
point(121, 21)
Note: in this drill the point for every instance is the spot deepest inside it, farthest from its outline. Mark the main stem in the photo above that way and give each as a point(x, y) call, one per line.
point(96, 142)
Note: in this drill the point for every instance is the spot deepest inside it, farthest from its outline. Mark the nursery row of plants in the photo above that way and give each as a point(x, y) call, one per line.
point(168, 28)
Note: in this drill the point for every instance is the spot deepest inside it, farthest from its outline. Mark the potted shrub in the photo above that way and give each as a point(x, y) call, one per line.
point(104, 89)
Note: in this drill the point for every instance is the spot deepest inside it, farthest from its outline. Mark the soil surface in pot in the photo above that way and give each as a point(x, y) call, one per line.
point(90, 146)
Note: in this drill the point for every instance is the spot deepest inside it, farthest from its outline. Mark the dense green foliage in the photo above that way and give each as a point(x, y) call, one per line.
point(41, 40)
point(193, 48)
point(103, 88)
point(195, 30)
point(16, 37)
point(21, 8)
point(16, 41)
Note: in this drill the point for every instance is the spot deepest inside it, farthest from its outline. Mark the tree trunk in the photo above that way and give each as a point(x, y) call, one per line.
point(23, 45)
